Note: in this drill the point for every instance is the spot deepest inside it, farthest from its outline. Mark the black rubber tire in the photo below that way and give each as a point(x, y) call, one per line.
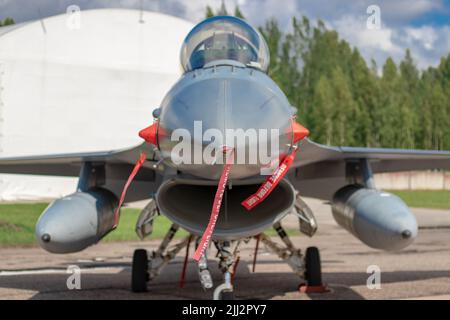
point(227, 295)
point(313, 269)
point(139, 271)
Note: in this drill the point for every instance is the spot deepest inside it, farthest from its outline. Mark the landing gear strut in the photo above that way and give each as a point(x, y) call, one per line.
point(148, 265)
point(203, 271)
point(227, 257)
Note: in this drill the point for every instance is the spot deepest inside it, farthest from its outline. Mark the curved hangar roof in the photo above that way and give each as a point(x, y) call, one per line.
point(87, 88)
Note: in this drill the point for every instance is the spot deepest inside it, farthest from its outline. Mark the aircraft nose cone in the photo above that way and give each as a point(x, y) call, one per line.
point(224, 106)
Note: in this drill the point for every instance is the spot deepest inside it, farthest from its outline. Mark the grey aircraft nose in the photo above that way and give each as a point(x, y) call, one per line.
point(210, 102)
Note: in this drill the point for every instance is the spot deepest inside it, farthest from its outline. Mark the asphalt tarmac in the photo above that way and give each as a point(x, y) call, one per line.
point(422, 271)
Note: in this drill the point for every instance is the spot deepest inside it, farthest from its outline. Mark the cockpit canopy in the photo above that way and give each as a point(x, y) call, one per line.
point(224, 38)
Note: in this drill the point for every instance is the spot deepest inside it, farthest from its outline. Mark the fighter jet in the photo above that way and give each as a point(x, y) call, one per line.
point(225, 159)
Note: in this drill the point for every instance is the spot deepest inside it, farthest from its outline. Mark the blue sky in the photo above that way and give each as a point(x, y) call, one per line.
point(422, 25)
point(438, 17)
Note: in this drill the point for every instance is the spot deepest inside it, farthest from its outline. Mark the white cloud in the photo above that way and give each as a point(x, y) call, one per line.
point(427, 43)
point(356, 32)
point(407, 9)
point(348, 17)
point(426, 35)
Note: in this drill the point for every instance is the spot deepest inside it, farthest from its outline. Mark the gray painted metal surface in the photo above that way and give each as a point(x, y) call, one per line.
point(379, 219)
point(189, 205)
point(224, 98)
point(74, 222)
point(226, 94)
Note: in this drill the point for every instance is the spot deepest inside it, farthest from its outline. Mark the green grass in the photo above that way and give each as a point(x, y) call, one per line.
point(17, 222)
point(435, 199)
point(125, 230)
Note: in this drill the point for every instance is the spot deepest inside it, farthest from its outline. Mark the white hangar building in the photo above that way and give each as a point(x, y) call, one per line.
point(88, 84)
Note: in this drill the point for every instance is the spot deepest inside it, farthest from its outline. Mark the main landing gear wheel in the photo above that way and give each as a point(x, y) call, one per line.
point(313, 269)
point(139, 271)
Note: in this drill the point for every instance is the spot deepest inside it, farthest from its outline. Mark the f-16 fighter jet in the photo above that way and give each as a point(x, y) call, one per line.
point(224, 158)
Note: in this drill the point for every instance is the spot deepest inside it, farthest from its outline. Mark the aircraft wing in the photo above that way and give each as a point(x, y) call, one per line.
point(318, 171)
point(321, 170)
point(69, 164)
point(382, 160)
point(117, 165)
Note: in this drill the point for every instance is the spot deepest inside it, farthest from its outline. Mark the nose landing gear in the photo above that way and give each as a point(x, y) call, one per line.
point(227, 258)
point(203, 273)
point(308, 266)
point(225, 290)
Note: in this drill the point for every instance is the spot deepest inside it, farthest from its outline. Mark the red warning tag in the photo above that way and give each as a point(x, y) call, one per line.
point(216, 205)
point(137, 166)
point(270, 183)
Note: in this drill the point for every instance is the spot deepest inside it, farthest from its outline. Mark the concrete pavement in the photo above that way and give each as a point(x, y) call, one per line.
point(420, 271)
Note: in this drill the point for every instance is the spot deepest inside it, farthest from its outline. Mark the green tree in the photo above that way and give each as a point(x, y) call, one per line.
point(209, 12)
point(283, 67)
point(324, 112)
point(410, 107)
point(444, 72)
point(440, 116)
point(273, 36)
point(409, 72)
point(346, 111)
point(7, 22)
point(344, 100)
point(365, 93)
point(222, 10)
point(238, 13)
point(425, 126)
point(389, 104)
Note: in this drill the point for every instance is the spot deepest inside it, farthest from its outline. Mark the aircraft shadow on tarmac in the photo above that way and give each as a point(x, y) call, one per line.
point(112, 281)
